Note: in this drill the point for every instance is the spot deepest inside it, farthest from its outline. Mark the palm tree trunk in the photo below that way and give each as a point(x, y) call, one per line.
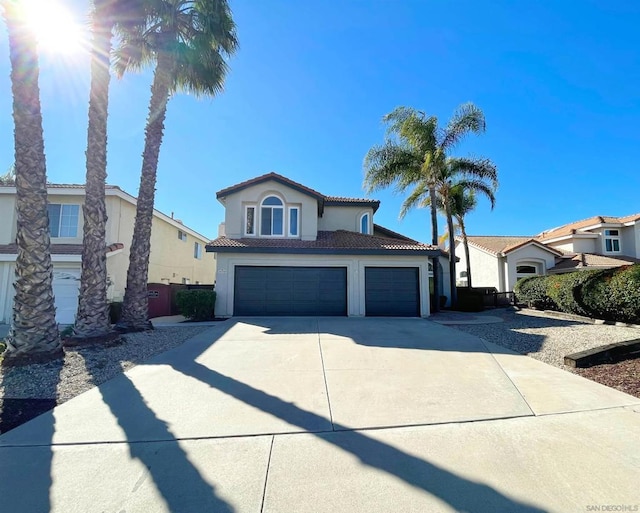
point(434, 241)
point(34, 333)
point(135, 307)
point(452, 255)
point(465, 243)
point(92, 319)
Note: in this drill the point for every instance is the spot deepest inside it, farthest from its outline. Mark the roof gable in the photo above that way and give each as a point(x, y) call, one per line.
point(275, 177)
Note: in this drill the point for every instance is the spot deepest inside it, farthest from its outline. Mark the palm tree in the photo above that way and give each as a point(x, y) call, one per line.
point(189, 40)
point(92, 319)
point(466, 174)
point(463, 201)
point(34, 333)
point(9, 178)
point(416, 154)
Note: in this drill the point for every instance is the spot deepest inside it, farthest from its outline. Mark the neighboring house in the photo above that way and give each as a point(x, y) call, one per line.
point(599, 242)
point(177, 252)
point(289, 250)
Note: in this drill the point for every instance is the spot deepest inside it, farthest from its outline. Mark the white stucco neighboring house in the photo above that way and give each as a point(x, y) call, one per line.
point(290, 250)
point(600, 242)
point(177, 251)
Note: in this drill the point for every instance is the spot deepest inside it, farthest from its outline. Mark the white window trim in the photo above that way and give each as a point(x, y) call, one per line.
point(283, 207)
point(182, 235)
point(197, 250)
point(60, 219)
point(368, 223)
point(255, 219)
point(612, 238)
point(289, 234)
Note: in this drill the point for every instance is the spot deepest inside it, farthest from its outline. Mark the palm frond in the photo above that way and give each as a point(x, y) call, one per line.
point(478, 186)
point(466, 119)
point(482, 169)
point(415, 199)
point(390, 164)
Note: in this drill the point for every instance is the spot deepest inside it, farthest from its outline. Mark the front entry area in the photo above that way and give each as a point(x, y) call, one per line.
point(392, 292)
point(271, 290)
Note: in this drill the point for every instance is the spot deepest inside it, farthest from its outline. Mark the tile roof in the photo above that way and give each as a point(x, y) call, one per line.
point(59, 249)
point(340, 240)
point(381, 231)
point(498, 244)
point(63, 186)
point(329, 200)
point(592, 261)
point(577, 226)
point(263, 178)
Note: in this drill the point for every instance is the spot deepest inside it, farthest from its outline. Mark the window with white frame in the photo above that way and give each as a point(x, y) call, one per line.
point(526, 270)
point(294, 221)
point(63, 220)
point(272, 216)
point(250, 220)
point(364, 224)
point(182, 236)
point(197, 250)
point(612, 241)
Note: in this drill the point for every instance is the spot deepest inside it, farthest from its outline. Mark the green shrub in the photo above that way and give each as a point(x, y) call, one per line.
point(197, 304)
point(115, 311)
point(533, 291)
point(613, 294)
point(565, 291)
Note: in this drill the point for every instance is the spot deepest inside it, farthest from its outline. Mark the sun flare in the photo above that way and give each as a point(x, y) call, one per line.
point(55, 27)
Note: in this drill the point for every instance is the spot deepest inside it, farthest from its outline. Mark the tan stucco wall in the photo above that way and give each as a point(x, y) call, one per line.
point(170, 260)
point(485, 268)
point(355, 275)
point(525, 254)
point(577, 245)
point(344, 218)
point(235, 206)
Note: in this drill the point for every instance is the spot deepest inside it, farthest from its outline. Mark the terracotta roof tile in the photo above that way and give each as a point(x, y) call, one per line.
point(328, 240)
point(498, 244)
point(577, 226)
point(592, 261)
point(335, 200)
point(381, 231)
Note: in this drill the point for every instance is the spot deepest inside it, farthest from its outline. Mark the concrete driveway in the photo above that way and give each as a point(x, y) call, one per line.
point(326, 415)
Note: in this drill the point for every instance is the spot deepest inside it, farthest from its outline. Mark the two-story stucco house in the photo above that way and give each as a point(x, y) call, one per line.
point(290, 250)
point(600, 242)
point(177, 252)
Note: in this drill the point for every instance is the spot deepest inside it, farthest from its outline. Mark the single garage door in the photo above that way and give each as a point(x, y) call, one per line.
point(392, 291)
point(66, 286)
point(290, 291)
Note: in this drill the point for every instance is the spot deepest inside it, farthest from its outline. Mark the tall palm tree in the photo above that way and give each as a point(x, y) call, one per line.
point(466, 174)
point(416, 154)
point(189, 41)
point(92, 319)
point(34, 333)
point(463, 201)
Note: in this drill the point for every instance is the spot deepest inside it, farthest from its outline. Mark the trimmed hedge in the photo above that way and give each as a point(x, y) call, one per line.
point(611, 294)
point(615, 296)
point(197, 304)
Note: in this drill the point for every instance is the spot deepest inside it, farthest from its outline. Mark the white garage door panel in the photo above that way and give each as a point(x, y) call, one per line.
point(66, 285)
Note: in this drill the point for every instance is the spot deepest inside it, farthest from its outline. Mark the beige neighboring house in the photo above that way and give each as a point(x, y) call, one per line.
point(177, 252)
point(600, 242)
point(286, 249)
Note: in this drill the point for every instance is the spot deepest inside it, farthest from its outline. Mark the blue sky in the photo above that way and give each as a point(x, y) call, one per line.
point(557, 81)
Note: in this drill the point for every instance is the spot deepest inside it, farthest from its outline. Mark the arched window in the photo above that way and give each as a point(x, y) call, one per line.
point(527, 269)
point(364, 224)
point(272, 216)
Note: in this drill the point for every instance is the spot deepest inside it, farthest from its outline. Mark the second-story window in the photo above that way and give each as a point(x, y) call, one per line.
point(250, 223)
point(364, 224)
point(294, 220)
point(197, 250)
point(63, 220)
point(612, 241)
point(272, 216)
point(182, 236)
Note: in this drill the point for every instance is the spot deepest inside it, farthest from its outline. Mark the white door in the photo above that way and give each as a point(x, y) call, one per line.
point(66, 285)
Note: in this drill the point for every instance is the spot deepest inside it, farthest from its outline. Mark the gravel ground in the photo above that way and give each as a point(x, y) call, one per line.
point(550, 339)
point(26, 392)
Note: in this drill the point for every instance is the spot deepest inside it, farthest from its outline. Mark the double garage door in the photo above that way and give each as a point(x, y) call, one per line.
point(389, 291)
